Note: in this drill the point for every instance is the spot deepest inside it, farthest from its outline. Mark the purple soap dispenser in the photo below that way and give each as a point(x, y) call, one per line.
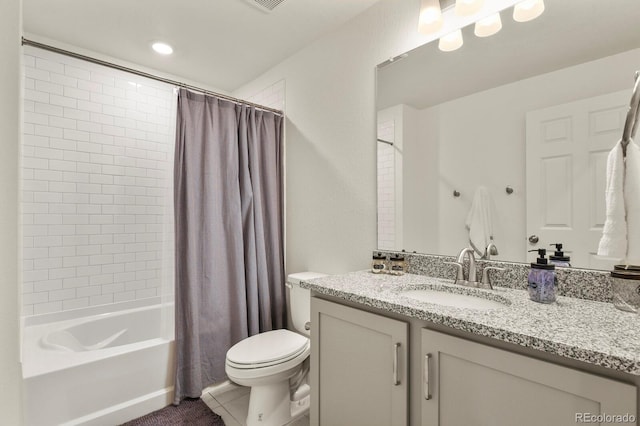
point(542, 279)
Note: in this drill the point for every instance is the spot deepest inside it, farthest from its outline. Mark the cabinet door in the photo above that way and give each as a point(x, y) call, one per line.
point(474, 384)
point(358, 367)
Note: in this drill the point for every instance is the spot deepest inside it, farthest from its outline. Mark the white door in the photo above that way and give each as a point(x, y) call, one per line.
point(567, 148)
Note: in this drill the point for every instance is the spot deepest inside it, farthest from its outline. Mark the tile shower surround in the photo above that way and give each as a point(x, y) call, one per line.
point(585, 284)
point(96, 159)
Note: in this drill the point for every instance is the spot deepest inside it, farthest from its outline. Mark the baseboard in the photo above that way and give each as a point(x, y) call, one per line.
point(120, 413)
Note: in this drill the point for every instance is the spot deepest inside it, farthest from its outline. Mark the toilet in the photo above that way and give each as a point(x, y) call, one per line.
point(274, 364)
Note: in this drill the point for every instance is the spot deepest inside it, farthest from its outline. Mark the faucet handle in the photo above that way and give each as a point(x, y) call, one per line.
point(486, 280)
point(460, 270)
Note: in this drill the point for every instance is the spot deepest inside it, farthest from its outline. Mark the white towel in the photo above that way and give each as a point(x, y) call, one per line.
point(480, 220)
point(632, 203)
point(614, 235)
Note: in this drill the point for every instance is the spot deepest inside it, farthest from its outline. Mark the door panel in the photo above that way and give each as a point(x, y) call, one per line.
point(475, 384)
point(567, 148)
point(359, 367)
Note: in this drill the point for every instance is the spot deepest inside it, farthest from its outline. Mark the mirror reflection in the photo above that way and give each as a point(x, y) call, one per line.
point(524, 119)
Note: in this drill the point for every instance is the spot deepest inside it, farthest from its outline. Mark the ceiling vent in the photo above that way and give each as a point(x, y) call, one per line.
point(265, 5)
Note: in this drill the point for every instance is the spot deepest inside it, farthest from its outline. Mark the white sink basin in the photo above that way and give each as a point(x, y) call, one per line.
point(455, 300)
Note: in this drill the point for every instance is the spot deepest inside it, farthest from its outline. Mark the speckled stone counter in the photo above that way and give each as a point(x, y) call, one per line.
point(584, 330)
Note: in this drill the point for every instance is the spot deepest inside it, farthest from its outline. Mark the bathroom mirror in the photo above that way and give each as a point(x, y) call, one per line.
point(506, 112)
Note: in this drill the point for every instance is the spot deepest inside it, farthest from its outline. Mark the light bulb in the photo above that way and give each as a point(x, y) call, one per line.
point(162, 48)
point(430, 20)
point(468, 7)
point(451, 41)
point(528, 10)
point(488, 26)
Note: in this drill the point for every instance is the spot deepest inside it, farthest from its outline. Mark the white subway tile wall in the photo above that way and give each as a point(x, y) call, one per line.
point(97, 164)
point(272, 96)
point(386, 187)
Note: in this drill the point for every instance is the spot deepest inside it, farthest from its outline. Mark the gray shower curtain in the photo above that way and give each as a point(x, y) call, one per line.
point(229, 233)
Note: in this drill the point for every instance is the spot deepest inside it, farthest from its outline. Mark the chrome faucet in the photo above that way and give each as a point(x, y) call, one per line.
point(491, 250)
point(471, 277)
point(486, 280)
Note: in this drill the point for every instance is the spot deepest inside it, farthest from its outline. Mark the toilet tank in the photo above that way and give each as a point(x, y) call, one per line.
point(300, 299)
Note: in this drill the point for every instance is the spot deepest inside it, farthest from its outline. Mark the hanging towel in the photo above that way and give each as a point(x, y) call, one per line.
point(614, 234)
point(632, 202)
point(480, 220)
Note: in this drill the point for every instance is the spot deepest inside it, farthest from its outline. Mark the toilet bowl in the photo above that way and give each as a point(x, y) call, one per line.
point(267, 361)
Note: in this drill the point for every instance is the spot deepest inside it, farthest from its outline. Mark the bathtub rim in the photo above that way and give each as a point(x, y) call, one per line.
point(38, 361)
point(71, 314)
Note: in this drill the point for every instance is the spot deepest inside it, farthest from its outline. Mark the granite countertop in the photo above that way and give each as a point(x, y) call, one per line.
point(584, 330)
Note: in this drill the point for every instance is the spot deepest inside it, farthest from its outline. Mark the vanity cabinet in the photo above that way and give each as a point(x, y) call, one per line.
point(468, 383)
point(387, 369)
point(358, 367)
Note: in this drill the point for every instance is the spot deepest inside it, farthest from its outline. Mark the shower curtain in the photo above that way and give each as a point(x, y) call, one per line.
point(229, 233)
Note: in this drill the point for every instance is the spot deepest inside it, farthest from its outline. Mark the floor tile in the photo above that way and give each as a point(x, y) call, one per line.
point(220, 388)
point(227, 418)
point(231, 394)
point(302, 421)
point(209, 400)
point(239, 408)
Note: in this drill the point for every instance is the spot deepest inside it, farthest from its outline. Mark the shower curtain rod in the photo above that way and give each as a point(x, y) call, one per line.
point(27, 42)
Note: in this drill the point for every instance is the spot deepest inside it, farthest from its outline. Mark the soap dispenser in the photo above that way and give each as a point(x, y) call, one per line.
point(379, 263)
point(558, 258)
point(542, 279)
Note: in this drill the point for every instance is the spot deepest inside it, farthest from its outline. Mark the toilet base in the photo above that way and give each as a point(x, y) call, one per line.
point(269, 405)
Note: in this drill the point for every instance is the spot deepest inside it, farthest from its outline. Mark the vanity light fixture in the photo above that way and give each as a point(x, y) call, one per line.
point(528, 10)
point(488, 26)
point(430, 20)
point(451, 41)
point(468, 7)
point(162, 48)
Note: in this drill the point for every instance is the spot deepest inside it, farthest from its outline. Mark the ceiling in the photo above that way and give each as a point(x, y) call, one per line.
point(569, 32)
point(220, 43)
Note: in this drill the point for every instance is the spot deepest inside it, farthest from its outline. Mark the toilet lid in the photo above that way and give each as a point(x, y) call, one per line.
point(268, 347)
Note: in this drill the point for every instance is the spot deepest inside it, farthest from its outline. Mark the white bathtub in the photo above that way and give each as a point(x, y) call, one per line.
point(101, 368)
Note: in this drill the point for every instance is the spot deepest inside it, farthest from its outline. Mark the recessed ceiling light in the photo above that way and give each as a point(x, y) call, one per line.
point(162, 48)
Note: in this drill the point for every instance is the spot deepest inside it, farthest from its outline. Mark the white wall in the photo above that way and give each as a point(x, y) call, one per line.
point(420, 175)
point(482, 142)
point(331, 132)
point(272, 96)
point(386, 184)
point(97, 172)
point(10, 375)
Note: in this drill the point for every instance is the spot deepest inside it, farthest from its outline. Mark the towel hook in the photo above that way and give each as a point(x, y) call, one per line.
point(631, 122)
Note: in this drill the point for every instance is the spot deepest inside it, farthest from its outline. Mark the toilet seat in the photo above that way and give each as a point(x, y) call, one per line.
point(267, 349)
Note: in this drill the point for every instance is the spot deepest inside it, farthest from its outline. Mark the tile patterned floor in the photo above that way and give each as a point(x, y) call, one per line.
point(231, 402)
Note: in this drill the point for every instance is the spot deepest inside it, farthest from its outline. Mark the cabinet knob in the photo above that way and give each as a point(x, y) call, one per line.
point(533, 239)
